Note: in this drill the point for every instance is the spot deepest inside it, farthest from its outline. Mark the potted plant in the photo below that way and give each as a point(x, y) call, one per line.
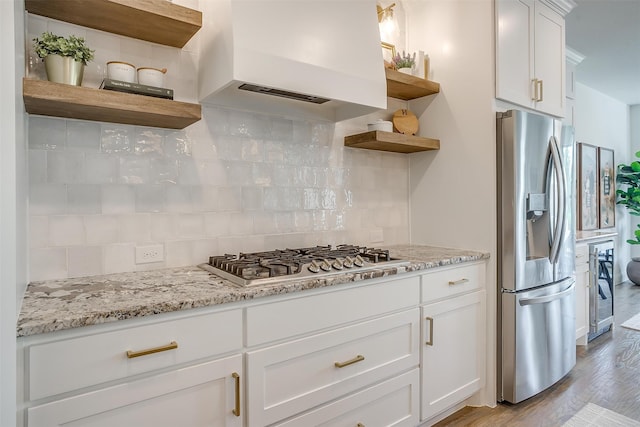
point(405, 62)
point(64, 57)
point(629, 197)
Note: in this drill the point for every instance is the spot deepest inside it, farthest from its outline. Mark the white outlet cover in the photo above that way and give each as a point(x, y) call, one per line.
point(150, 253)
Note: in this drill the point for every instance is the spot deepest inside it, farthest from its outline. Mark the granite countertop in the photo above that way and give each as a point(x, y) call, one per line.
point(55, 305)
point(595, 235)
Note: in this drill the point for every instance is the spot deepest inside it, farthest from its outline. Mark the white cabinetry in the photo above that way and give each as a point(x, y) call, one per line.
point(155, 373)
point(309, 371)
point(453, 345)
point(582, 293)
point(530, 55)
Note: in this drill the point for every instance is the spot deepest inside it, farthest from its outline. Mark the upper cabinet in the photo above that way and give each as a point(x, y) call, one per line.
point(530, 53)
point(157, 21)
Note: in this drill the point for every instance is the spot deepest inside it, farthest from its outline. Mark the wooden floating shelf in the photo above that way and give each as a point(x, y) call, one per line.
point(391, 141)
point(76, 102)
point(407, 87)
point(157, 21)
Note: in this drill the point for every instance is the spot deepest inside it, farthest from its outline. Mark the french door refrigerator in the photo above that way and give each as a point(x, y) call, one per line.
point(536, 264)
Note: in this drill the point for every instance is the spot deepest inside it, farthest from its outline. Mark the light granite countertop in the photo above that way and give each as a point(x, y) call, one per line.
point(55, 305)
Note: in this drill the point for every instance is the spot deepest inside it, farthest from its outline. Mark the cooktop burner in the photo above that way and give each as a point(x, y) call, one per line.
point(293, 264)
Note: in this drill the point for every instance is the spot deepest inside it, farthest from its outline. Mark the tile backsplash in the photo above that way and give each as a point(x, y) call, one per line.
point(232, 182)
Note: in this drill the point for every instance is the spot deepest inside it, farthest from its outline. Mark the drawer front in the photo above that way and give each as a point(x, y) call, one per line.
point(450, 281)
point(74, 363)
point(582, 254)
point(303, 315)
point(393, 402)
point(293, 377)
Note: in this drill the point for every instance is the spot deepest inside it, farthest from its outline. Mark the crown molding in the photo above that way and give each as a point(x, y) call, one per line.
point(573, 56)
point(563, 7)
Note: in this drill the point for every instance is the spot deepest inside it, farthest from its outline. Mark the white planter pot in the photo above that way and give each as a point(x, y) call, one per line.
point(64, 69)
point(405, 70)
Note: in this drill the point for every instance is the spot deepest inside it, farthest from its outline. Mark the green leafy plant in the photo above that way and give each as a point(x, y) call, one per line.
point(405, 60)
point(629, 197)
point(51, 44)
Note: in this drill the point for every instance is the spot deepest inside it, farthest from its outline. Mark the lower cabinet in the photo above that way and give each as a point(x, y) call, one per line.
point(392, 403)
point(582, 293)
point(200, 395)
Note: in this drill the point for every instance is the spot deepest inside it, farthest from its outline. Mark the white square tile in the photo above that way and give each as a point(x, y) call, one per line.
point(264, 223)
point(241, 224)
point(177, 144)
point(116, 138)
point(38, 231)
point(84, 199)
point(47, 264)
point(149, 198)
point(84, 261)
point(217, 224)
point(134, 228)
point(119, 258)
point(229, 199)
point(47, 133)
point(190, 225)
point(163, 170)
point(66, 230)
point(204, 198)
point(101, 168)
point(237, 244)
point(118, 199)
point(100, 229)
point(83, 136)
point(162, 226)
point(252, 198)
point(135, 170)
point(178, 199)
point(252, 150)
point(47, 199)
point(37, 166)
point(148, 141)
point(179, 253)
point(65, 167)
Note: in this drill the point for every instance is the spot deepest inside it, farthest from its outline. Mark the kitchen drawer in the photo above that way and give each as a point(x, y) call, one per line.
point(451, 281)
point(303, 315)
point(394, 402)
point(74, 363)
point(290, 378)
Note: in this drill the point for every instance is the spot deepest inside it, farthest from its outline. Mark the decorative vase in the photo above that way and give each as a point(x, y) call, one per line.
point(406, 70)
point(633, 270)
point(64, 69)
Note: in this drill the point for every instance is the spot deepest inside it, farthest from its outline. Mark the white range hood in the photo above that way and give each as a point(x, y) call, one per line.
point(267, 55)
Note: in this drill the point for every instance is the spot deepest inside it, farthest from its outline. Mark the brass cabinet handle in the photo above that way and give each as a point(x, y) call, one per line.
point(171, 346)
point(430, 342)
point(535, 90)
point(458, 282)
point(236, 410)
point(358, 358)
point(359, 425)
point(541, 91)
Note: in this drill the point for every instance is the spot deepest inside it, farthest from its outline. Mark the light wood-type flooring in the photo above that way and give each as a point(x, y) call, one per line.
point(607, 373)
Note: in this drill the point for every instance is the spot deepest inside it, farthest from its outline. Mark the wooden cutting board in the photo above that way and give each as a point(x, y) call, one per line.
point(404, 121)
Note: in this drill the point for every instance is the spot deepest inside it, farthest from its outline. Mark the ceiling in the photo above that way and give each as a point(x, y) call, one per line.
point(607, 34)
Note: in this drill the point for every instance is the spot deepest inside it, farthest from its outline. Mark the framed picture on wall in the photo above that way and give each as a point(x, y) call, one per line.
point(607, 187)
point(588, 187)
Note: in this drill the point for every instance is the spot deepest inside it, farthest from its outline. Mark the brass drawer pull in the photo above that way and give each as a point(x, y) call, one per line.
point(458, 282)
point(236, 410)
point(171, 346)
point(358, 358)
point(430, 342)
point(359, 425)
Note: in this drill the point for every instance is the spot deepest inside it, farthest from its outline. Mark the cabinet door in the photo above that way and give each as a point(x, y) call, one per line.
point(549, 59)
point(514, 51)
point(453, 350)
point(196, 396)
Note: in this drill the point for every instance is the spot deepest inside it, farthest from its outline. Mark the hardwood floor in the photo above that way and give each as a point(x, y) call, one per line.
point(607, 373)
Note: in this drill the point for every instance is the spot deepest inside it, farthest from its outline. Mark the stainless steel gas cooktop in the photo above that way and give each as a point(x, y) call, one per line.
point(259, 268)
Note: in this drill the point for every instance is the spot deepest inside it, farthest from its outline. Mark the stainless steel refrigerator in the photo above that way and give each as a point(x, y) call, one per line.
point(536, 264)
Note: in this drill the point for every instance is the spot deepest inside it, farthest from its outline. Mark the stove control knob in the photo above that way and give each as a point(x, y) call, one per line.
point(338, 264)
point(348, 262)
point(325, 265)
point(314, 267)
point(359, 262)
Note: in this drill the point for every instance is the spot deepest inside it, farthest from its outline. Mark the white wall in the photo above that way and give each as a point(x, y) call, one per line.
point(12, 203)
point(603, 121)
point(453, 190)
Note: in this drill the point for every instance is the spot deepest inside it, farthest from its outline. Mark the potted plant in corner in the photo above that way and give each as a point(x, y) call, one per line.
point(405, 62)
point(629, 197)
point(64, 58)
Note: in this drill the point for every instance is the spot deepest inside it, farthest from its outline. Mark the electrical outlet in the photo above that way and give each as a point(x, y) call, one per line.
point(376, 236)
point(150, 253)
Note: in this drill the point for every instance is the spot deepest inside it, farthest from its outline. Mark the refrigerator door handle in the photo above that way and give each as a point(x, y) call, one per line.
point(548, 298)
point(561, 185)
